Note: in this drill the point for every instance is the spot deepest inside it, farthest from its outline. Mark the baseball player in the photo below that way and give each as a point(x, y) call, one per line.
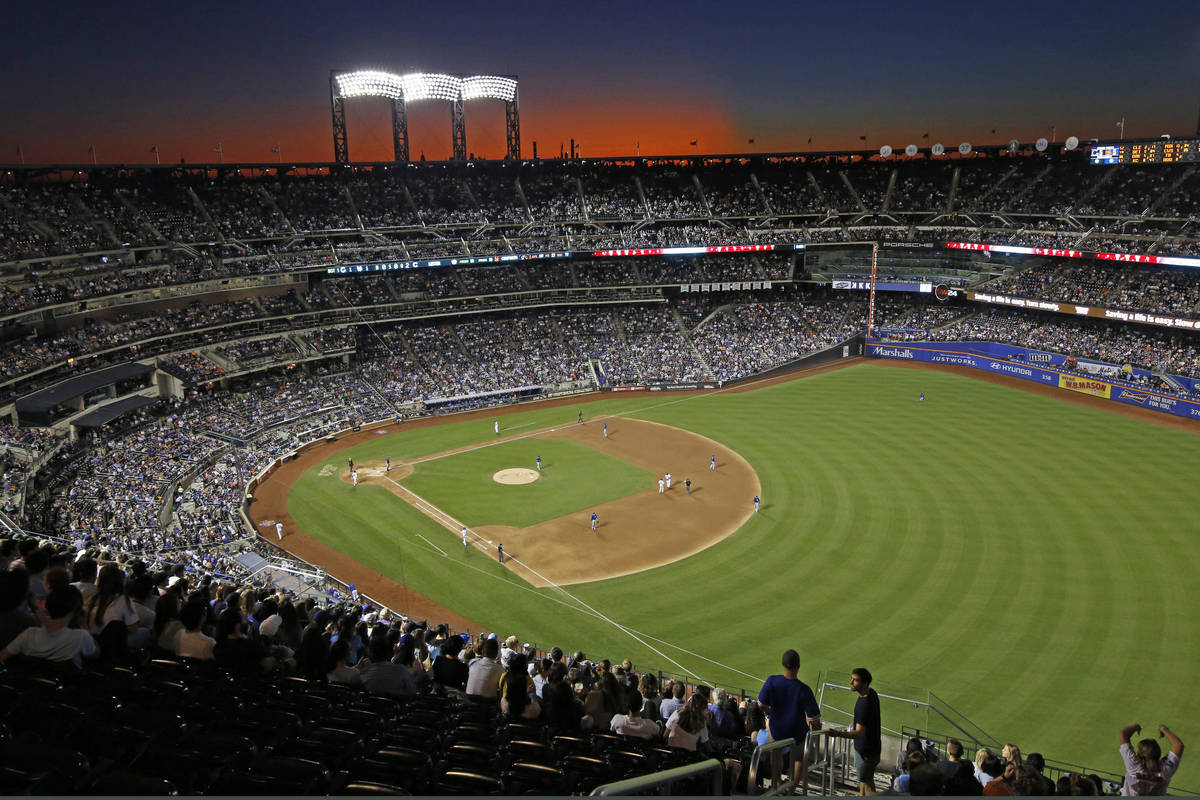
point(756, 502)
point(388, 462)
point(712, 462)
point(580, 417)
point(687, 484)
point(279, 530)
point(350, 461)
point(500, 552)
point(660, 485)
point(594, 520)
point(354, 477)
point(539, 463)
point(606, 430)
point(668, 476)
point(464, 535)
point(921, 399)
point(496, 427)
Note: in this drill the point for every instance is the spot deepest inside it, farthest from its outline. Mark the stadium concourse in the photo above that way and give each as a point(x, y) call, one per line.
point(170, 332)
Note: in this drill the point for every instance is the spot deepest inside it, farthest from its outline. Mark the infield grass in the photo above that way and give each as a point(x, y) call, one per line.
point(1033, 562)
point(573, 477)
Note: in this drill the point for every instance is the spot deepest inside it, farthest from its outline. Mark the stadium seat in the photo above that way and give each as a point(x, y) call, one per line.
point(464, 782)
point(132, 784)
point(400, 766)
point(530, 751)
point(523, 777)
point(584, 773)
point(356, 788)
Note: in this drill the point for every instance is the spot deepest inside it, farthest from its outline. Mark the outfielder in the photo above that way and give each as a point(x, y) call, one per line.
point(496, 427)
point(756, 502)
point(539, 463)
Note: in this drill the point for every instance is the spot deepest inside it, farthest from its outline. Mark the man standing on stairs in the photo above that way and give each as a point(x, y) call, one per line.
point(866, 731)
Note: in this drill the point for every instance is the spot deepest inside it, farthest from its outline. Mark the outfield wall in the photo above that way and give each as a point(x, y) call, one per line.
point(1035, 366)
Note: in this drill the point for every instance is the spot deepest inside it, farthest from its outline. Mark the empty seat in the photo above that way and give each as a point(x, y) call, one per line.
point(132, 784)
point(526, 778)
point(463, 782)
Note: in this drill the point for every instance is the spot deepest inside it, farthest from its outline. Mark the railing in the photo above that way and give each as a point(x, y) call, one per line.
point(780, 756)
point(665, 779)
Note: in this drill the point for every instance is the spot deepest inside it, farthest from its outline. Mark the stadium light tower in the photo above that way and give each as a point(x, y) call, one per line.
point(417, 86)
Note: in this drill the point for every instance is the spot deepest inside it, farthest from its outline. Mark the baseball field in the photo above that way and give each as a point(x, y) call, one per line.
point(1029, 558)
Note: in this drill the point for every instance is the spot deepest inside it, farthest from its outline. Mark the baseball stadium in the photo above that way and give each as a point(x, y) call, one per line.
point(297, 457)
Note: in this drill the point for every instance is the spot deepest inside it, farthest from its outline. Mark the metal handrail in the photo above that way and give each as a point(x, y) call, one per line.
point(641, 783)
point(780, 754)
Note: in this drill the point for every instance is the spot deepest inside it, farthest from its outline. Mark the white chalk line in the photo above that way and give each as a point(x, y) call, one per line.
point(431, 544)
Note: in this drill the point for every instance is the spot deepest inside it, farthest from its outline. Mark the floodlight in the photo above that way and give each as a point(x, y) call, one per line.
point(489, 87)
point(431, 86)
point(370, 83)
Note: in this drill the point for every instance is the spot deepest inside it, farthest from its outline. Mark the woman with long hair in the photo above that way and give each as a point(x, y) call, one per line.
point(517, 696)
point(1147, 771)
point(688, 727)
point(110, 603)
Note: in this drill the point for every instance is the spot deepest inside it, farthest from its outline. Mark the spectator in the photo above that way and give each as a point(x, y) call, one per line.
point(339, 669)
point(673, 701)
point(518, 699)
point(792, 709)
point(632, 723)
point(483, 675)
point(53, 640)
point(379, 674)
point(866, 731)
point(688, 727)
point(192, 642)
point(1147, 771)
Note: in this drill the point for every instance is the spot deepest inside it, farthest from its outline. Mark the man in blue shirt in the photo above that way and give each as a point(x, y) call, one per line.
point(792, 709)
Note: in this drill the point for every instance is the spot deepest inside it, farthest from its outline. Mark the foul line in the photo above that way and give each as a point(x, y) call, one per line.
point(431, 544)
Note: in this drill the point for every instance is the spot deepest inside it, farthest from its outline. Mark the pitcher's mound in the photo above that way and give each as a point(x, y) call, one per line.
point(514, 477)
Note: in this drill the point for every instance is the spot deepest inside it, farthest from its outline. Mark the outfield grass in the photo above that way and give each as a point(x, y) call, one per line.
point(1030, 561)
point(574, 477)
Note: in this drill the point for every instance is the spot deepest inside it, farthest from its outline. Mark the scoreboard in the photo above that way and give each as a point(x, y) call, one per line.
point(1157, 151)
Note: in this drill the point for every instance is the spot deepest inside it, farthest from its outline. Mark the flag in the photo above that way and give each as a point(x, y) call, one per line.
point(749, 141)
point(694, 142)
point(924, 135)
point(810, 140)
point(993, 130)
point(217, 149)
point(91, 148)
point(863, 137)
point(153, 148)
point(275, 149)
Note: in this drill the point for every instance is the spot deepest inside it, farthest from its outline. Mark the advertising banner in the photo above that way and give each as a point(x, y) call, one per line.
point(946, 353)
point(1090, 386)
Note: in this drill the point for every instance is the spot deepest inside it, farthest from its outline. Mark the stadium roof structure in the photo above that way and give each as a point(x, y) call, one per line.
point(50, 398)
point(106, 414)
point(404, 88)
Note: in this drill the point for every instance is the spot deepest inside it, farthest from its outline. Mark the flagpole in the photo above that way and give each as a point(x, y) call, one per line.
point(1121, 125)
point(21, 153)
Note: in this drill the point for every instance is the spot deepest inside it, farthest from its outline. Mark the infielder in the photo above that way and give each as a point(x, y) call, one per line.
point(580, 417)
point(660, 485)
point(388, 462)
point(279, 530)
point(756, 502)
point(464, 535)
point(712, 462)
point(687, 484)
point(594, 520)
point(606, 430)
point(668, 476)
point(539, 463)
point(496, 427)
point(354, 477)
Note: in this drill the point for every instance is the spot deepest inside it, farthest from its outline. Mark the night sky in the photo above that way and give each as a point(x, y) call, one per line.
point(612, 75)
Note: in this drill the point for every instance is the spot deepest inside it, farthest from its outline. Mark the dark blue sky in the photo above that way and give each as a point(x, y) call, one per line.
point(252, 75)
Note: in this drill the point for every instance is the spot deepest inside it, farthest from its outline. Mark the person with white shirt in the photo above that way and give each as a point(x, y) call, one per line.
point(633, 723)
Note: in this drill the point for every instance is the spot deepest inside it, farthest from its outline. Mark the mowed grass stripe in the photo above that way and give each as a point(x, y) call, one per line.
point(1044, 545)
